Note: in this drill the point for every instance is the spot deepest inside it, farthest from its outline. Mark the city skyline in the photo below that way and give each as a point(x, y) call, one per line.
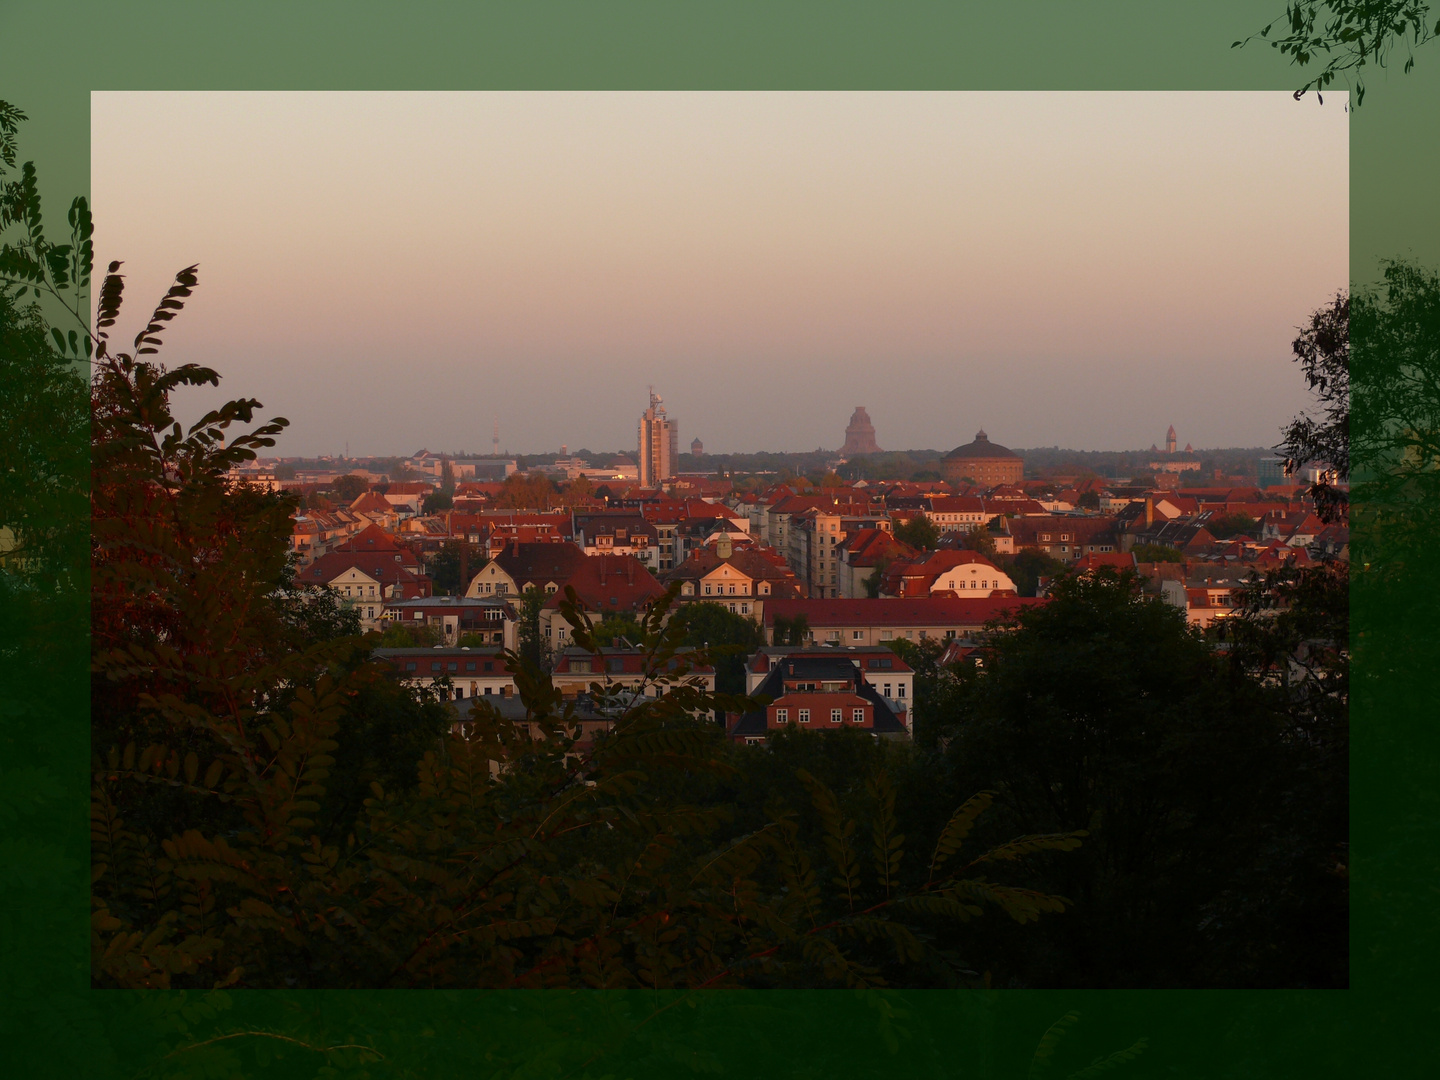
point(1045, 265)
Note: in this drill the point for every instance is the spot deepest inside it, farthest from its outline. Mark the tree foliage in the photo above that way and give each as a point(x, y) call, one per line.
point(1229, 525)
point(349, 487)
point(1215, 815)
point(1323, 351)
point(1348, 35)
point(919, 532)
point(728, 638)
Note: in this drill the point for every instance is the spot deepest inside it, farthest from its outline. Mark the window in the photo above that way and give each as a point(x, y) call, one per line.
point(887, 635)
point(435, 665)
point(489, 665)
point(837, 716)
point(857, 716)
point(901, 689)
point(452, 666)
point(410, 666)
point(782, 716)
point(887, 689)
point(469, 665)
point(487, 691)
point(804, 716)
point(744, 609)
point(856, 635)
point(707, 590)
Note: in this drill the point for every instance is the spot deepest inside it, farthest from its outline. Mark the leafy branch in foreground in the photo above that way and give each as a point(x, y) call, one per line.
point(1350, 34)
point(31, 264)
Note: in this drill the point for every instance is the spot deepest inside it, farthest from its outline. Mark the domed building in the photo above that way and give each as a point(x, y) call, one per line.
point(984, 462)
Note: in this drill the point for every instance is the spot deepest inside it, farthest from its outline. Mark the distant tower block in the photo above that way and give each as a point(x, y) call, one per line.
point(659, 449)
point(697, 448)
point(1170, 440)
point(860, 434)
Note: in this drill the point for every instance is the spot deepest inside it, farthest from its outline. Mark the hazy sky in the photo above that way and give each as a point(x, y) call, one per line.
point(400, 270)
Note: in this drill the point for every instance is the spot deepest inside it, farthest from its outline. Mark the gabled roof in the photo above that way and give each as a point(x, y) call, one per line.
point(371, 502)
point(867, 547)
point(748, 561)
point(610, 583)
point(381, 566)
point(537, 563)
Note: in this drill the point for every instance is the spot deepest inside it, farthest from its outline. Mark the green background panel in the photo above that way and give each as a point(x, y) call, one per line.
point(53, 54)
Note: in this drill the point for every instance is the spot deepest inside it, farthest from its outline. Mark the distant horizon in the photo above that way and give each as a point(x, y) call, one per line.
point(396, 268)
point(574, 451)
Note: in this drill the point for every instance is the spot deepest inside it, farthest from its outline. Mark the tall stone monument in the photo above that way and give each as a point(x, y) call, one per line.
point(859, 434)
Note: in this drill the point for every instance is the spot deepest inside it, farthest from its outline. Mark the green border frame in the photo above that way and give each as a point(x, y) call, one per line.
point(56, 52)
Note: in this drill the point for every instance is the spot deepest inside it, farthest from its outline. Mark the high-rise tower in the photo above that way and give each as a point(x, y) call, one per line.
point(659, 444)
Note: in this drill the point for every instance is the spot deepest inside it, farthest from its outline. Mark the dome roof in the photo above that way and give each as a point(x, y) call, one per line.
point(982, 447)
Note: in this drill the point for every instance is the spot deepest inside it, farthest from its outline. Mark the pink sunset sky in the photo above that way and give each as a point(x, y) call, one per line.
point(400, 270)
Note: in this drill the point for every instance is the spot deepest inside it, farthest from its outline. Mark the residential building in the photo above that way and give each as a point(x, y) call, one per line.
point(604, 585)
point(518, 566)
point(740, 579)
point(576, 669)
point(817, 693)
point(841, 623)
point(947, 572)
point(882, 668)
point(862, 553)
point(458, 672)
point(1063, 537)
point(453, 617)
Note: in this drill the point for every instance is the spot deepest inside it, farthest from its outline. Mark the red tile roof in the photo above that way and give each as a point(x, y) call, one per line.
point(610, 583)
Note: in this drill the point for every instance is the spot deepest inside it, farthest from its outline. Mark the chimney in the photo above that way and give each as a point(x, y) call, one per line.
point(1149, 510)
